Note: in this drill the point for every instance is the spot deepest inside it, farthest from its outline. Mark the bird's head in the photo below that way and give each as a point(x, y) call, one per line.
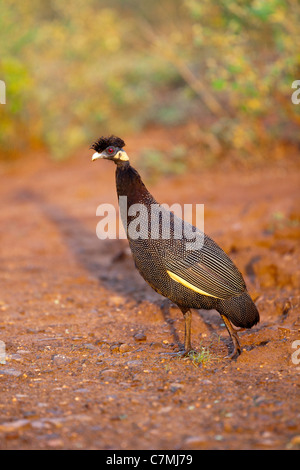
point(110, 148)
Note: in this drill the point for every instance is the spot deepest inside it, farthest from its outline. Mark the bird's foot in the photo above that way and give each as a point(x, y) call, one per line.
point(169, 354)
point(185, 352)
point(180, 353)
point(234, 338)
point(235, 353)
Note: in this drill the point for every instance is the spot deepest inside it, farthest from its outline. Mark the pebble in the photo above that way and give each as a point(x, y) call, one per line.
point(10, 371)
point(114, 348)
point(165, 409)
point(194, 442)
point(60, 359)
point(102, 344)
point(89, 346)
point(295, 442)
point(134, 363)
point(157, 345)
point(14, 425)
point(15, 357)
point(206, 382)
point(140, 337)
point(174, 387)
point(116, 300)
point(124, 348)
point(56, 442)
point(108, 372)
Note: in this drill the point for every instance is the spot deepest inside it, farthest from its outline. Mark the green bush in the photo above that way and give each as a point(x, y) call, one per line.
point(74, 71)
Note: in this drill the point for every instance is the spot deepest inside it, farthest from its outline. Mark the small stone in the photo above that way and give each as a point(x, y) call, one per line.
point(295, 442)
point(174, 387)
point(116, 300)
point(134, 363)
point(165, 409)
point(15, 357)
point(206, 382)
point(115, 348)
point(56, 442)
point(140, 337)
point(157, 345)
point(103, 344)
point(89, 346)
point(124, 348)
point(60, 360)
point(108, 372)
point(40, 424)
point(10, 371)
point(194, 442)
point(82, 418)
point(14, 425)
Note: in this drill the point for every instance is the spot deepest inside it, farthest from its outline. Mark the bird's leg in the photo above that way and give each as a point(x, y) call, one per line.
point(187, 315)
point(234, 337)
point(187, 331)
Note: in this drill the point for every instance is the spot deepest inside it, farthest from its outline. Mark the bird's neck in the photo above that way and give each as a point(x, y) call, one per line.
point(129, 183)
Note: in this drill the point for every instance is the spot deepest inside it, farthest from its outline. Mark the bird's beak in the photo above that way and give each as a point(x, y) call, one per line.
point(97, 155)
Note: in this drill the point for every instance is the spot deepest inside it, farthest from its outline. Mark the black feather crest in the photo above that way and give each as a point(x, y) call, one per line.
point(104, 142)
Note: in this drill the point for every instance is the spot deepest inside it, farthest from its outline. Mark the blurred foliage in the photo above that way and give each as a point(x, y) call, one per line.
point(77, 70)
point(155, 163)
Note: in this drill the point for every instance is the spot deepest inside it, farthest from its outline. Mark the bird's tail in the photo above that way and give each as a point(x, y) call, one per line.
point(240, 310)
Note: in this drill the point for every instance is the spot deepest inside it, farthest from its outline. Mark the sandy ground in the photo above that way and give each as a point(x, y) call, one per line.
point(85, 337)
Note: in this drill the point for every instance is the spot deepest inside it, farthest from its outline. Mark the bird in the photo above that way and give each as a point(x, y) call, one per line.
point(200, 278)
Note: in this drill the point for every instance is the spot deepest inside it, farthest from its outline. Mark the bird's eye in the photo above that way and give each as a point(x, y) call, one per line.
point(110, 150)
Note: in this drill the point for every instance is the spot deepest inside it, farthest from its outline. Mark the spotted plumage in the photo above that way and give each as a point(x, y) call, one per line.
point(203, 278)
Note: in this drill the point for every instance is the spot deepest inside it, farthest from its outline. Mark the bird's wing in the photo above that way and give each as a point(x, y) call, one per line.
point(208, 271)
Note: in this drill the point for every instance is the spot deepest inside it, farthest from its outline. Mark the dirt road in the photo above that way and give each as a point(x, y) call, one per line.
point(84, 335)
